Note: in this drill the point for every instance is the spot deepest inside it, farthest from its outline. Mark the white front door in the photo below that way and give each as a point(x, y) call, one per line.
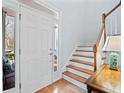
point(36, 31)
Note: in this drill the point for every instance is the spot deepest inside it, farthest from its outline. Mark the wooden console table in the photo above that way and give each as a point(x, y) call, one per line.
point(105, 81)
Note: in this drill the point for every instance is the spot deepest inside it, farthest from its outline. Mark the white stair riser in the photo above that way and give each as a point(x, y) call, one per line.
point(82, 74)
point(75, 82)
point(84, 48)
point(82, 66)
point(84, 53)
point(83, 58)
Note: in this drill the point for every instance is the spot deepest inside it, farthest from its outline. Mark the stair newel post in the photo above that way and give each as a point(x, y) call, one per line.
point(104, 26)
point(95, 51)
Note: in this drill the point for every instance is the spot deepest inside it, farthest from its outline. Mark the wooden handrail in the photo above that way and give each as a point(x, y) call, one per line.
point(103, 30)
point(101, 33)
point(107, 14)
point(99, 37)
point(96, 46)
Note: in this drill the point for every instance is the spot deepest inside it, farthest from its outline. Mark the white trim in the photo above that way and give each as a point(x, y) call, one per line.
point(47, 5)
point(31, 8)
point(60, 43)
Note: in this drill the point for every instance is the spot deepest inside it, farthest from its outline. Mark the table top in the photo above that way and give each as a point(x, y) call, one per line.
point(106, 80)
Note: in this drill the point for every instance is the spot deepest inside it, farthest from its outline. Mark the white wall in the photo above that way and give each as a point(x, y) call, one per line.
point(81, 21)
point(93, 17)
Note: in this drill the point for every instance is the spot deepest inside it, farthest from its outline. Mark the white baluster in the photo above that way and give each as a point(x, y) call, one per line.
point(111, 26)
point(116, 32)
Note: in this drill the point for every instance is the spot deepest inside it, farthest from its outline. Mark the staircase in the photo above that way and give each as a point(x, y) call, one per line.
point(81, 66)
point(86, 59)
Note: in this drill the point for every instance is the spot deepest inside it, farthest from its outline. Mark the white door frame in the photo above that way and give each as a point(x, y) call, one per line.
point(14, 5)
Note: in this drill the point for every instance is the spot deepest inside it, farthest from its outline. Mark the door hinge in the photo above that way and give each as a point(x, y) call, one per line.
point(19, 16)
point(19, 51)
point(19, 85)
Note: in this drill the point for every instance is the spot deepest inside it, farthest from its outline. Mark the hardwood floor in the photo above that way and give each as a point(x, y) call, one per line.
point(61, 86)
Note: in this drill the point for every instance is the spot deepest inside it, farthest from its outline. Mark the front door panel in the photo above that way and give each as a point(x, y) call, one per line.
point(36, 42)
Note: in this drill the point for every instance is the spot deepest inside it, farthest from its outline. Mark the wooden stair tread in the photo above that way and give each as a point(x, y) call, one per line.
point(81, 69)
point(74, 76)
point(85, 46)
point(80, 50)
point(82, 62)
point(80, 55)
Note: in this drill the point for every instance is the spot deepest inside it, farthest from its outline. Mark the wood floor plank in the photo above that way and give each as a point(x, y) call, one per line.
point(61, 86)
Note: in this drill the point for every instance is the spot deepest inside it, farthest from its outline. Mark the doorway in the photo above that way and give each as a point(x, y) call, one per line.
point(36, 48)
point(34, 39)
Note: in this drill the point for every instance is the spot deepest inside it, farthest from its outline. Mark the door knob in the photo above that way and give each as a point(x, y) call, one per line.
point(50, 49)
point(50, 53)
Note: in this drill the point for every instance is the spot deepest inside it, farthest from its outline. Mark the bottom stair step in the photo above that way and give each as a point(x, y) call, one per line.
point(74, 76)
point(75, 82)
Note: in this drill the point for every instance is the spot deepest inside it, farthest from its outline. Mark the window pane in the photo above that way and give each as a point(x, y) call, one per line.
point(9, 52)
